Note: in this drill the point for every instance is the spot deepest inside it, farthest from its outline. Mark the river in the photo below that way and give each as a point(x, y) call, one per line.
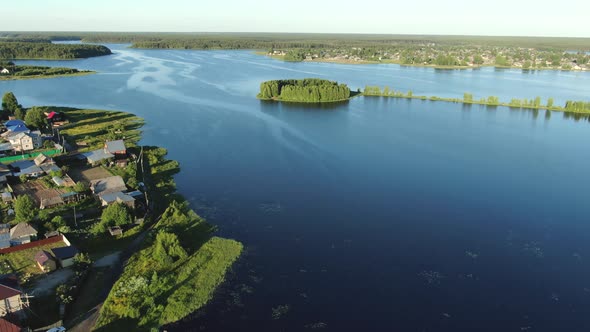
point(375, 215)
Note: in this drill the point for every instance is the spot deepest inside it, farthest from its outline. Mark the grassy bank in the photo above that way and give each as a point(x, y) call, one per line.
point(169, 279)
point(179, 264)
point(44, 76)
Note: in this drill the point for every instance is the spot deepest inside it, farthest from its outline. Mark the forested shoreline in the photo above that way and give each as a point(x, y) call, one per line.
point(15, 50)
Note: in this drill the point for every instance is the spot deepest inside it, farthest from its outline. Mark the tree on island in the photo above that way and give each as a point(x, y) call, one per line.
point(309, 90)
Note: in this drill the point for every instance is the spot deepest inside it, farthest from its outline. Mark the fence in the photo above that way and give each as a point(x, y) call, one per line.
point(29, 155)
point(35, 244)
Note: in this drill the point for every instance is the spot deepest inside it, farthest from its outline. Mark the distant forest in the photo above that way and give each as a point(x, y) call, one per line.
point(265, 41)
point(309, 90)
point(35, 48)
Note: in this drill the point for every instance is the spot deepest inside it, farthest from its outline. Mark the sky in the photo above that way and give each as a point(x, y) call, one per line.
point(456, 17)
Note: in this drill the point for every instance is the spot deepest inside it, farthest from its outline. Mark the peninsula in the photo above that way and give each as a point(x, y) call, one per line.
point(309, 90)
point(156, 260)
point(11, 71)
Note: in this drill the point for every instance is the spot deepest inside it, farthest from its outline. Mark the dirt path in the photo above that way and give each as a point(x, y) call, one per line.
point(108, 260)
point(50, 281)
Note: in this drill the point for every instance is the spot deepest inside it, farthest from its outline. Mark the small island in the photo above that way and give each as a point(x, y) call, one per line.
point(309, 90)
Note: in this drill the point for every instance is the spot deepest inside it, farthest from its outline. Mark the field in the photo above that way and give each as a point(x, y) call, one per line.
point(23, 262)
point(88, 173)
point(91, 128)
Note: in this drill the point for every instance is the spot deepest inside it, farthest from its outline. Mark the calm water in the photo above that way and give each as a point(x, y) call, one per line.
point(377, 215)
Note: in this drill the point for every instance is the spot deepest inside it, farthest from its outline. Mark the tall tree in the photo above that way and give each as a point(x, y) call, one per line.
point(9, 103)
point(24, 208)
point(35, 117)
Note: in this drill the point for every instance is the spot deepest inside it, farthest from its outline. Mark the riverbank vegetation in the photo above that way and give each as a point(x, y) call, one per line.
point(18, 72)
point(309, 90)
point(179, 264)
point(468, 98)
point(42, 50)
point(174, 274)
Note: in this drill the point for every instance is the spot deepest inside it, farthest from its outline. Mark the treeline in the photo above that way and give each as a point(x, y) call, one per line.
point(577, 106)
point(307, 90)
point(22, 50)
point(534, 103)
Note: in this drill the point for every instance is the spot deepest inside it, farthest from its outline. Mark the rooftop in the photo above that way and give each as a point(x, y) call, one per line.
point(65, 252)
point(115, 146)
point(22, 229)
point(97, 155)
point(43, 257)
point(108, 185)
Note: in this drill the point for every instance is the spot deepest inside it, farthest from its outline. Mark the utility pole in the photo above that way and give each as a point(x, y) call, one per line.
point(75, 220)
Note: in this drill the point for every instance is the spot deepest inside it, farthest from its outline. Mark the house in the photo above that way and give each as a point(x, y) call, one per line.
point(5, 71)
point(6, 197)
point(4, 236)
point(115, 231)
point(65, 255)
point(26, 167)
point(48, 198)
point(116, 147)
point(26, 141)
point(45, 261)
point(117, 197)
point(10, 296)
point(6, 326)
point(54, 116)
point(96, 156)
point(108, 185)
point(46, 163)
point(22, 233)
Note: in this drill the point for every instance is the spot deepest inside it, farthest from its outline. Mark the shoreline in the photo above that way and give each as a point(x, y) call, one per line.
point(39, 77)
point(393, 62)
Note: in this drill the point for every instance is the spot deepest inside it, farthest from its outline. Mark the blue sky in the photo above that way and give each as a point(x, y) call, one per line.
point(499, 17)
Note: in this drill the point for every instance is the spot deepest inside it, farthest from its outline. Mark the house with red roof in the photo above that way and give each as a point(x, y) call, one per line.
point(10, 297)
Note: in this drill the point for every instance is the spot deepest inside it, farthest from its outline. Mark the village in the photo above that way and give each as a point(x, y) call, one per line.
point(69, 200)
point(432, 54)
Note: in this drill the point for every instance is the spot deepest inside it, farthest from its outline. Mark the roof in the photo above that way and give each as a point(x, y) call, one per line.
point(43, 159)
point(26, 167)
point(108, 185)
point(115, 146)
point(116, 197)
point(16, 122)
point(6, 326)
point(6, 147)
point(51, 115)
point(18, 128)
point(58, 181)
point(97, 155)
point(22, 229)
point(8, 292)
point(43, 257)
point(65, 252)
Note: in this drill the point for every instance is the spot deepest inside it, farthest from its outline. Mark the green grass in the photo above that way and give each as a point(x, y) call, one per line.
point(151, 292)
point(23, 262)
point(94, 127)
point(36, 77)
